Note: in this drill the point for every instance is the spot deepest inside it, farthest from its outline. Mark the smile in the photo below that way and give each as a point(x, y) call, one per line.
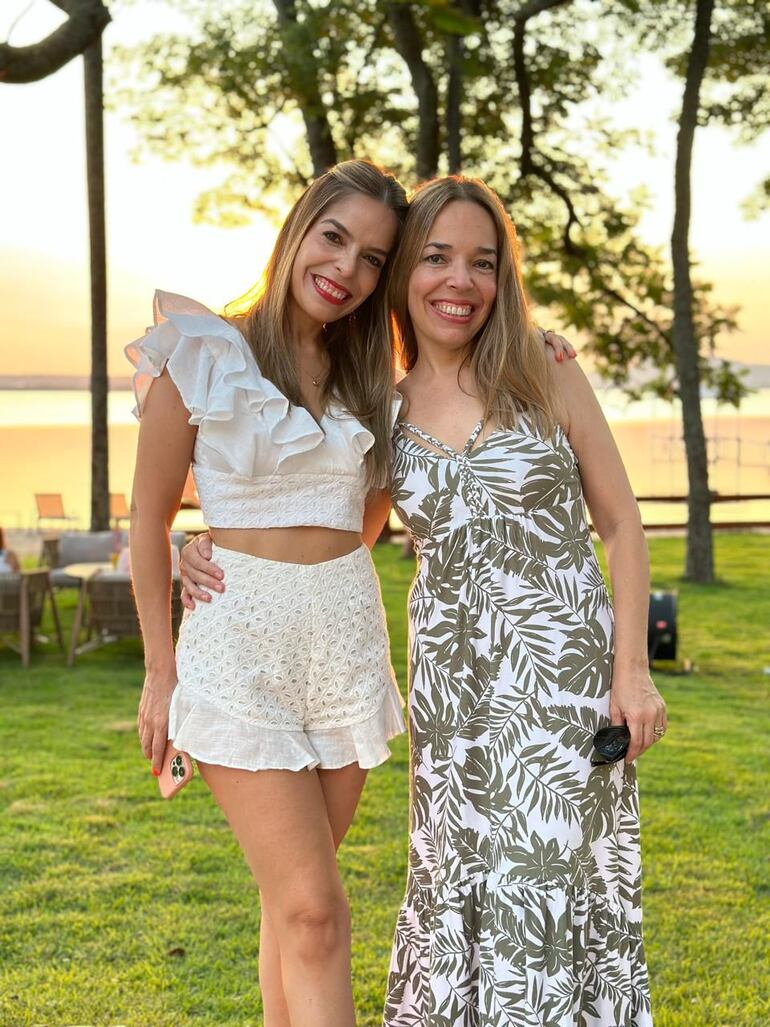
point(458, 312)
point(329, 290)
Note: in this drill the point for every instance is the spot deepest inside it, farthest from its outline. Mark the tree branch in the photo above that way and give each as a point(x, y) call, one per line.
point(408, 43)
point(529, 165)
point(85, 23)
point(303, 80)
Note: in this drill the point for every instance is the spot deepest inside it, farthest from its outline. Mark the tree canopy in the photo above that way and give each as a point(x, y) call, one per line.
point(279, 91)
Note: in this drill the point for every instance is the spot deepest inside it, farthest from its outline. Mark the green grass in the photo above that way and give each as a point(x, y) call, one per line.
point(117, 908)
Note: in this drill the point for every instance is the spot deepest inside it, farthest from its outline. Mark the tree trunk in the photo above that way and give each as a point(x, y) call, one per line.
point(454, 49)
point(699, 564)
point(303, 81)
point(408, 42)
point(94, 108)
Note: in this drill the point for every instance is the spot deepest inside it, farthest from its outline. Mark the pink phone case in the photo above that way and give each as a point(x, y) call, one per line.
point(176, 771)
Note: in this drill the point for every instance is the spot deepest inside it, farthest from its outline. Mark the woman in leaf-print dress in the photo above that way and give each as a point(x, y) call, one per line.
point(522, 904)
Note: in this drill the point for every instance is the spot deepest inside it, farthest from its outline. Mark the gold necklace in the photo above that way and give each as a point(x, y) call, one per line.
point(315, 379)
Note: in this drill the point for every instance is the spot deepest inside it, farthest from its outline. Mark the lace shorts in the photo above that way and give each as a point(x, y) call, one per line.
point(289, 668)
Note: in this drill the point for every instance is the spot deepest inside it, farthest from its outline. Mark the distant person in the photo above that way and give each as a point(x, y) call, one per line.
point(9, 561)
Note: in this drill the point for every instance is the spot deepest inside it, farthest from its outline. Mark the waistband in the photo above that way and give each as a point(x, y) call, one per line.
point(245, 563)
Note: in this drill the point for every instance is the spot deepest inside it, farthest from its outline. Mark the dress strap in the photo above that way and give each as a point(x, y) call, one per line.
point(433, 441)
point(430, 439)
point(473, 437)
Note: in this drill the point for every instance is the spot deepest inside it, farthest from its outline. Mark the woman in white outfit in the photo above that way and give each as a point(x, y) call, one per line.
point(281, 688)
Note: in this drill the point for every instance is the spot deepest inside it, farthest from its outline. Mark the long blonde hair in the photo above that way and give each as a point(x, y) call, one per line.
point(507, 357)
point(359, 346)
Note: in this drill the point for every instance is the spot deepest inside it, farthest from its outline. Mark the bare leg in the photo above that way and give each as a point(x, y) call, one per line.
point(281, 822)
point(274, 1008)
point(342, 790)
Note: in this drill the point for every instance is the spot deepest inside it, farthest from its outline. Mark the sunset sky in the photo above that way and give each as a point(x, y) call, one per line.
point(152, 241)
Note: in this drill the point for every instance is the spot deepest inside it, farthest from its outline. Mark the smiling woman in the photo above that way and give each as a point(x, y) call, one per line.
point(522, 902)
point(281, 689)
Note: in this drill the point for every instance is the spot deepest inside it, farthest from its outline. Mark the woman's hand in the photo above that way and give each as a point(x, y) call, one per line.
point(559, 345)
point(198, 572)
point(636, 702)
point(153, 715)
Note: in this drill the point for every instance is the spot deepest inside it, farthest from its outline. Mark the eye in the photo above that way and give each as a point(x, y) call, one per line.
point(374, 261)
point(333, 237)
point(485, 265)
point(435, 258)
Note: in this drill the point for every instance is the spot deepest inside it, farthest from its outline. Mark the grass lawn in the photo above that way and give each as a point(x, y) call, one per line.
point(119, 909)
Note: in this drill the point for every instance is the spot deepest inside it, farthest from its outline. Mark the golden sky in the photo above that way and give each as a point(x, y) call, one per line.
point(152, 241)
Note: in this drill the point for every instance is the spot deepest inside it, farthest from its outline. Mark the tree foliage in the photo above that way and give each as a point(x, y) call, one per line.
point(388, 81)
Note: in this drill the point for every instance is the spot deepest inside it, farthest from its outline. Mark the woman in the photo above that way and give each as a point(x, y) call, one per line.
point(286, 414)
point(523, 897)
point(9, 561)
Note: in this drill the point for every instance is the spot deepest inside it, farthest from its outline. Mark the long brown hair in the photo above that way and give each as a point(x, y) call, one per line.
point(359, 346)
point(507, 357)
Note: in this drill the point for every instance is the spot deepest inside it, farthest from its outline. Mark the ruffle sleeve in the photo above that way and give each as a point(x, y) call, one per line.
point(360, 438)
point(218, 380)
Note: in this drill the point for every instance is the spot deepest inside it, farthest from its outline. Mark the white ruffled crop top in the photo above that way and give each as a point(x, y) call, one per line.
point(258, 462)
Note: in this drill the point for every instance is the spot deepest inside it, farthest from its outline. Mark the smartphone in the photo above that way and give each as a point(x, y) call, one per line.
point(176, 771)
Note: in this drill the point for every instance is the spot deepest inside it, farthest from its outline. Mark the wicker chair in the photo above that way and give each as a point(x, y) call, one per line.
point(107, 607)
point(22, 598)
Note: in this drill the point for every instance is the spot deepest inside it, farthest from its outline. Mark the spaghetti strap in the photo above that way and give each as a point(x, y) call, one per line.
point(430, 439)
point(438, 444)
point(473, 437)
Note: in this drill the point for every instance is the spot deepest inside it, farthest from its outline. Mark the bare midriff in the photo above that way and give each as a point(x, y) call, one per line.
point(306, 545)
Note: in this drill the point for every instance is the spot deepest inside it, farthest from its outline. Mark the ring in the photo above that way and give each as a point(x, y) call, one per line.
point(658, 731)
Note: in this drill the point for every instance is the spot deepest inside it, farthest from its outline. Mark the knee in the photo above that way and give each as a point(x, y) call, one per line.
point(316, 929)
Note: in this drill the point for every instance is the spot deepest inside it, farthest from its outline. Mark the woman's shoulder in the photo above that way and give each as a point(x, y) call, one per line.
point(205, 354)
point(186, 318)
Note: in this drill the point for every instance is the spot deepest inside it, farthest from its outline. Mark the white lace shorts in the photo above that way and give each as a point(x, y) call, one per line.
point(289, 668)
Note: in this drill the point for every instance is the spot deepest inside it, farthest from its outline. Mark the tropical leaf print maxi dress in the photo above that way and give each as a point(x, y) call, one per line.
point(523, 903)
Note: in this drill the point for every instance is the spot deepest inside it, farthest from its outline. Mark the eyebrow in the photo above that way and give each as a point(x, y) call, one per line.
point(446, 246)
point(341, 228)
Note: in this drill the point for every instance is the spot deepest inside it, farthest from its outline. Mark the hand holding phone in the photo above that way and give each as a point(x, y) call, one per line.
point(176, 771)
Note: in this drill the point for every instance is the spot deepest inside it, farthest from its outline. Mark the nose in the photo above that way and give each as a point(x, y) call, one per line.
point(344, 263)
point(459, 277)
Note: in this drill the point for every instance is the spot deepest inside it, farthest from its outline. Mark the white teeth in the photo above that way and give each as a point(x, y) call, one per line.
point(453, 310)
point(326, 286)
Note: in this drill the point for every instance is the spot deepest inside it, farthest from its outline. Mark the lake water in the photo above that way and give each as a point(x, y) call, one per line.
point(45, 440)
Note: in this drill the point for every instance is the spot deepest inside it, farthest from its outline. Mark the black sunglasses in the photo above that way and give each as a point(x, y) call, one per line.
point(610, 745)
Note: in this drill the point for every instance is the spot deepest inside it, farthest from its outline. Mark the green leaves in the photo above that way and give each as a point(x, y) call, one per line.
point(445, 17)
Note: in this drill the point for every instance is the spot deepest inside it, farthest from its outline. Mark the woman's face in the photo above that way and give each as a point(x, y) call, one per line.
point(341, 258)
point(453, 287)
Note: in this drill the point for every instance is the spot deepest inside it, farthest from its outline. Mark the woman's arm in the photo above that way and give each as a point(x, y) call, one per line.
point(199, 573)
point(163, 458)
point(615, 516)
point(376, 513)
